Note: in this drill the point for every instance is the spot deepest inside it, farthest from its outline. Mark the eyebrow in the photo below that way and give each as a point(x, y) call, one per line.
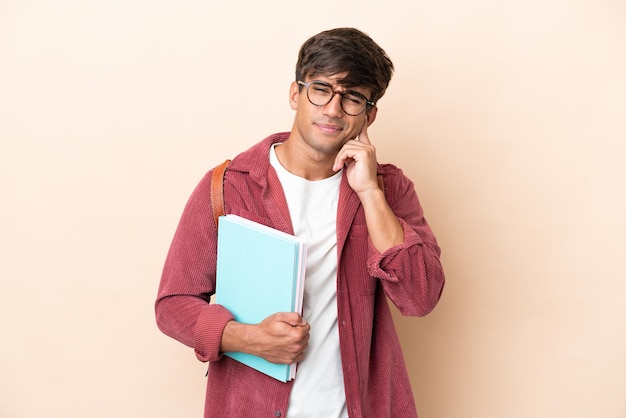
point(347, 89)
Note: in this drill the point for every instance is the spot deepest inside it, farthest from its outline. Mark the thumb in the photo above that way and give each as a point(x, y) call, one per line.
point(293, 318)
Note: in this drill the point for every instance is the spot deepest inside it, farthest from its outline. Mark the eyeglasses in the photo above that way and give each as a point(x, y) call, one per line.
point(320, 94)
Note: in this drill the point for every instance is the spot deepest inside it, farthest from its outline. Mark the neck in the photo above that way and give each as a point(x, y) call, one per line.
point(305, 163)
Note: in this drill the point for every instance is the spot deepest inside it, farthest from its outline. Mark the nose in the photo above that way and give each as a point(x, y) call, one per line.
point(333, 108)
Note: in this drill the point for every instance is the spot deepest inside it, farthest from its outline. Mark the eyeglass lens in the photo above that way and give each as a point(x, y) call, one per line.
point(321, 94)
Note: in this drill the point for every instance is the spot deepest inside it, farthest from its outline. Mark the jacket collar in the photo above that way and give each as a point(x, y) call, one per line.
point(255, 161)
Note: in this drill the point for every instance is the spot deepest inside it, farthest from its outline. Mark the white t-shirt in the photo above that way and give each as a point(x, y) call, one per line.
point(318, 389)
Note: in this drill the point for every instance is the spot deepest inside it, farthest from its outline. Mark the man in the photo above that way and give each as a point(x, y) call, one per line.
point(367, 241)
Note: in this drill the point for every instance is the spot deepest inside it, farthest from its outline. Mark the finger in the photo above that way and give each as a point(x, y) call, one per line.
point(363, 137)
point(341, 158)
point(292, 318)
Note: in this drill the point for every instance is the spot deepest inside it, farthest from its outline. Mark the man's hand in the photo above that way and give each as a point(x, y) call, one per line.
point(359, 157)
point(280, 338)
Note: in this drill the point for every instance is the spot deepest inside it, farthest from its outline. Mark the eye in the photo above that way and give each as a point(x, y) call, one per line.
point(355, 98)
point(321, 89)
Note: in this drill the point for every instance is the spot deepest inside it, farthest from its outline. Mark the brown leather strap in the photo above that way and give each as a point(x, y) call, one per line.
point(217, 191)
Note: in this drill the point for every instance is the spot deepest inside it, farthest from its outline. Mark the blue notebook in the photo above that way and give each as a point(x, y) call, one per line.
point(260, 271)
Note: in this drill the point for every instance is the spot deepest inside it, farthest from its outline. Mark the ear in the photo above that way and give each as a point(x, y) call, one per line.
point(370, 115)
point(294, 95)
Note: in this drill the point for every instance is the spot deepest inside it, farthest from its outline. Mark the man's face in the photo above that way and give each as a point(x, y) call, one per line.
point(326, 128)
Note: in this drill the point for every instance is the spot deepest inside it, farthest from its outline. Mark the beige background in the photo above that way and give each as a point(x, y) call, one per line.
point(509, 116)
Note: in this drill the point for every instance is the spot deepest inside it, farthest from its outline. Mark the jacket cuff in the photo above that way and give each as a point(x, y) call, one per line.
point(379, 263)
point(208, 332)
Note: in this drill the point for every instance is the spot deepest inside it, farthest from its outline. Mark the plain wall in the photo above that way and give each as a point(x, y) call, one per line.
point(509, 117)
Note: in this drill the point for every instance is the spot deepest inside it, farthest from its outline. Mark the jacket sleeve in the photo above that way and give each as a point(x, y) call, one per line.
point(183, 308)
point(411, 273)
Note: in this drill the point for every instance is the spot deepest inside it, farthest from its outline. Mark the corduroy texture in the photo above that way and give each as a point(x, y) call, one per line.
point(410, 274)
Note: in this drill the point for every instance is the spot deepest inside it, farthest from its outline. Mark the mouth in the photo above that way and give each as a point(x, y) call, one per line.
point(329, 128)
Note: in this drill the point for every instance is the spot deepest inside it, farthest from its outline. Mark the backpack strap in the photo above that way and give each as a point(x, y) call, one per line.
point(217, 191)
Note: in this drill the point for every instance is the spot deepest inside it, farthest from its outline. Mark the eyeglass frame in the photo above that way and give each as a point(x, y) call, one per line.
point(368, 102)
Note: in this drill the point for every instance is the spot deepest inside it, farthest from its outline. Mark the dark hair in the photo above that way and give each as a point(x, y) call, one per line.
point(349, 51)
